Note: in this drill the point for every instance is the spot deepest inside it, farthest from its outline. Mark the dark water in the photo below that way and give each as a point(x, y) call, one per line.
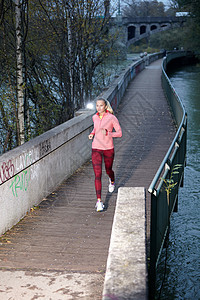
point(182, 279)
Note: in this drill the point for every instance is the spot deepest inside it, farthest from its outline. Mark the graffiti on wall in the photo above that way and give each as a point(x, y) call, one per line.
point(20, 181)
point(114, 103)
point(45, 147)
point(6, 171)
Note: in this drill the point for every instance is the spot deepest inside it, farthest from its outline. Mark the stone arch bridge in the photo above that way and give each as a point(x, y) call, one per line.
point(134, 29)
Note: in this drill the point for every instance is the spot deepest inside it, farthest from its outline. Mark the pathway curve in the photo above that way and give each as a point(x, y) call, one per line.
point(59, 251)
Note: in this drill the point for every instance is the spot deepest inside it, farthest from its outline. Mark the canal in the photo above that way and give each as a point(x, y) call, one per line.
point(178, 276)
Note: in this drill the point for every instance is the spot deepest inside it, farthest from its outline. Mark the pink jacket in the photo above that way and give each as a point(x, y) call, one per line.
point(108, 122)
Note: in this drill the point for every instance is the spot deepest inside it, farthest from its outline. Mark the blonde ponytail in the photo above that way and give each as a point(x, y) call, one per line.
point(109, 107)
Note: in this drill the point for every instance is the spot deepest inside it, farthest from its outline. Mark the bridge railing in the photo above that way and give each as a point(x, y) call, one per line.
point(149, 19)
point(163, 204)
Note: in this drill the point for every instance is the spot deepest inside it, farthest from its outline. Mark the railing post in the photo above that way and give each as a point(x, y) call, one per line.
point(153, 247)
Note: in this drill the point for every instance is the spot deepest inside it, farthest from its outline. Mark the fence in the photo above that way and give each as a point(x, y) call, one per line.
point(164, 202)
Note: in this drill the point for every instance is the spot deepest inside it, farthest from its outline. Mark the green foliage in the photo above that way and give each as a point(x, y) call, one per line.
point(169, 184)
point(192, 37)
point(183, 37)
point(143, 46)
point(167, 39)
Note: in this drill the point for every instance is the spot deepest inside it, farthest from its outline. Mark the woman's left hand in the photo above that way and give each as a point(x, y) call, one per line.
point(104, 131)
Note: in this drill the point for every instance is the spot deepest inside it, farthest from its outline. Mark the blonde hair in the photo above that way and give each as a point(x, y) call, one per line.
point(109, 108)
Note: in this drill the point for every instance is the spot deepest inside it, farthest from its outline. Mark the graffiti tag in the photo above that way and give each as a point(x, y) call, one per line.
point(45, 147)
point(6, 171)
point(20, 182)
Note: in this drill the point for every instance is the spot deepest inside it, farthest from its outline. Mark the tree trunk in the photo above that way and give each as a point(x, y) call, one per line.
point(107, 8)
point(20, 81)
point(70, 59)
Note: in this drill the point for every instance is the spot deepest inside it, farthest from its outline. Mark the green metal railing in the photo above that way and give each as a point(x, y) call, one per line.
point(162, 206)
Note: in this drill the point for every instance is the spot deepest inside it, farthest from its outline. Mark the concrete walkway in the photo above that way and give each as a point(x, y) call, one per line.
point(60, 250)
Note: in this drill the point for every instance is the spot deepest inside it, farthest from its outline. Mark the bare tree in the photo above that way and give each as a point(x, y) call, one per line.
point(20, 77)
point(49, 53)
point(144, 8)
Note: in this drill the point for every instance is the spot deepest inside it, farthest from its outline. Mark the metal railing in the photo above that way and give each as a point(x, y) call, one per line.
point(162, 205)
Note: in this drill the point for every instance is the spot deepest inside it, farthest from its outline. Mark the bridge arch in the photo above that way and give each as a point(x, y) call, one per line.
point(165, 25)
point(153, 27)
point(143, 29)
point(131, 32)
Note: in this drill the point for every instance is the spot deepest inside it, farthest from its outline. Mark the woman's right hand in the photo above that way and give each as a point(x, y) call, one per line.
point(90, 136)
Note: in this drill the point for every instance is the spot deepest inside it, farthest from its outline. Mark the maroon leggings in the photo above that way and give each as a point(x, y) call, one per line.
point(97, 156)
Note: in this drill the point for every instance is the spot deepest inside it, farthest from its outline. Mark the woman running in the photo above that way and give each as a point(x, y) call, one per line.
point(102, 145)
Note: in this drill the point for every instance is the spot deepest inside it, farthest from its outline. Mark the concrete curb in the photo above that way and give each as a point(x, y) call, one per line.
point(126, 273)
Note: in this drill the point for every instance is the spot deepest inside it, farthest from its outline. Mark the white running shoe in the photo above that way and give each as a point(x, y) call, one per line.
point(111, 186)
point(99, 206)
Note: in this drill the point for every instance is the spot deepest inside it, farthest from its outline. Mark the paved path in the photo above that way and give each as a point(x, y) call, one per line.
point(59, 251)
